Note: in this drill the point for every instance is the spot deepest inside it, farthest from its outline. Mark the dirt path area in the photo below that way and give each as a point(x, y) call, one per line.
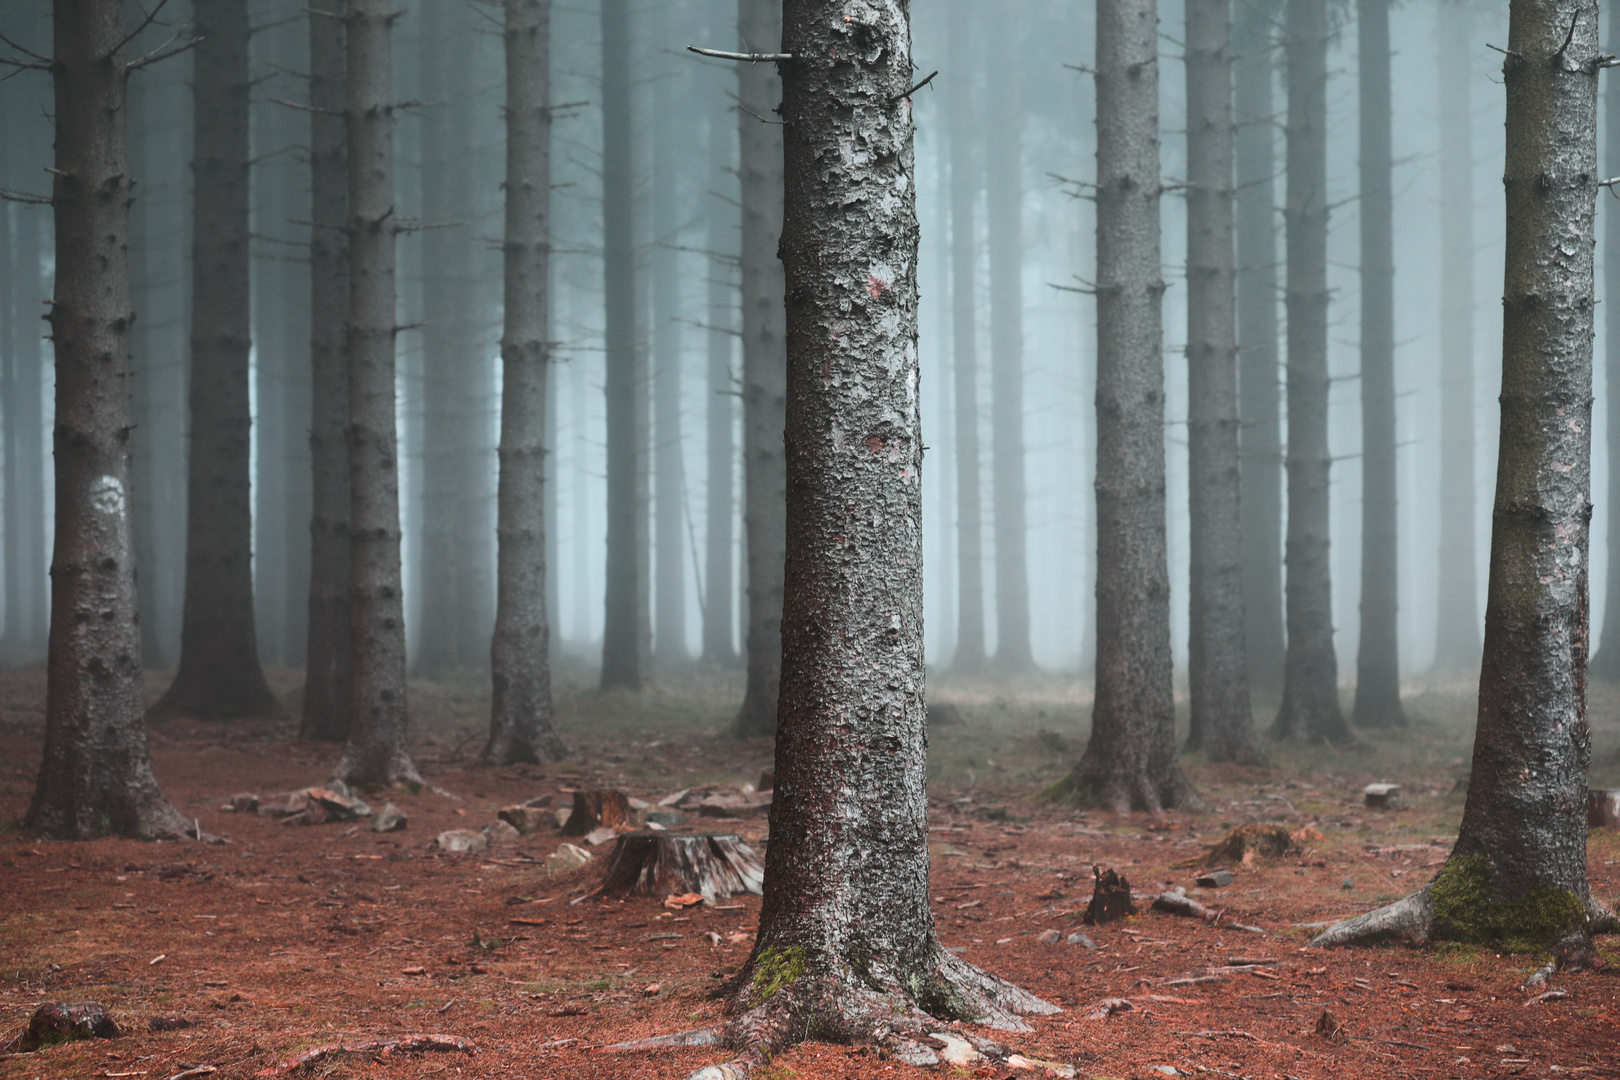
point(290, 937)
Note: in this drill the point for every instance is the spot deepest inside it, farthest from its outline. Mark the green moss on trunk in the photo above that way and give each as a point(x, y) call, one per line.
point(777, 969)
point(1466, 910)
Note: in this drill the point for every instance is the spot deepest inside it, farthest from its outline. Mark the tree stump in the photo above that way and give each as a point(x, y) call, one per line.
point(1243, 845)
point(1602, 809)
point(56, 1022)
point(713, 865)
point(1110, 898)
point(598, 809)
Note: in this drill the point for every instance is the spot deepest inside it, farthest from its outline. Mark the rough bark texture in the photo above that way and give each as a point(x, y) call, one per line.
point(1517, 874)
point(625, 633)
point(96, 777)
point(720, 411)
point(1456, 641)
point(1004, 184)
point(1378, 669)
point(669, 468)
point(376, 751)
point(962, 113)
point(219, 675)
point(759, 90)
point(520, 652)
point(1606, 664)
point(1222, 722)
point(326, 669)
point(1130, 761)
point(846, 948)
point(1258, 379)
point(1310, 704)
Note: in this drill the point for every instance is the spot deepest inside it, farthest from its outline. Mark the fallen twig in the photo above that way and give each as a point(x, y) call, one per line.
point(1555, 994)
point(405, 1043)
point(196, 1070)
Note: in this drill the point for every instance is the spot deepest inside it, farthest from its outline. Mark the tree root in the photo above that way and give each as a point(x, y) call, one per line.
point(386, 1045)
point(1410, 919)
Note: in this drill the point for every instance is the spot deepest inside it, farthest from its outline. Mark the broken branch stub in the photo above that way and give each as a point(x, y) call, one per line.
point(713, 865)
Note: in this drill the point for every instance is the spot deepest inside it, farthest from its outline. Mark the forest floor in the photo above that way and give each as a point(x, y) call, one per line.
point(291, 937)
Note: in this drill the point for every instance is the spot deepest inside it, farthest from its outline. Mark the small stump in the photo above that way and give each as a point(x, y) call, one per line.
point(1382, 796)
point(1110, 898)
point(1243, 845)
point(56, 1022)
point(597, 810)
point(1602, 809)
point(713, 865)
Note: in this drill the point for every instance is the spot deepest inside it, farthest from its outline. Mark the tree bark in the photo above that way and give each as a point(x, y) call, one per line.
point(625, 633)
point(1222, 721)
point(1130, 760)
point(219, 676)
point(1606, 664)
point(520, 653)
point(759, 91)
point(1517, 875)
point(1378, 667)
point(961, 109)
point(28, 595)
point(1259, 401)
point(326, 670)
point(1310, 704)
point(669, 469)
point(1004, 150)
point(719, 603)
point(96, 777)
point(846, 949)
point(144, 273)
point(376, 752)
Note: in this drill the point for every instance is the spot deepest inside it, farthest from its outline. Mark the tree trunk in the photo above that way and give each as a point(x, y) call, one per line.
point(764, 343)
point(520, 712)
point(846, 949)
point(144, 275)
point(1222, 722)
point(625, 633)
point(669, 470)
point(29, 594)
point(376, 752)
point(961, 115)
point(1606, 664)
point(326, 671)
point(720, 412)
point(1130, 761)
point(1378, 667)
point(1004, 149)
point(1310, 704)
point(96, 777)
point(1258, 405)
point(219, 676)
point(1516, 878)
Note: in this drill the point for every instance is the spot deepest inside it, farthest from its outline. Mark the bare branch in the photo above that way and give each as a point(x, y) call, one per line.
point(163, 52)
point(306, 108)
point(758, 117)
point(151, 16)
point(751, 58)
point(914, 89)
point(26, 197)
point(46, 60)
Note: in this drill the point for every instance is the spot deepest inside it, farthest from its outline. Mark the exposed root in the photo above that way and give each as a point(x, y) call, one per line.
point(1410, 920)
point(361, 767)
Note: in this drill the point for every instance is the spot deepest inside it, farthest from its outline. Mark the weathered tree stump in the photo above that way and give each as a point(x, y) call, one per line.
point(1602, 809)
point(1243, 844)
point(713, 865)
point(598, 809)
point(1110, 898)
point(56, 1022)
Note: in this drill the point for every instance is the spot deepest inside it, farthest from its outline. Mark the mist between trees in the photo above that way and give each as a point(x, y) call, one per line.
point(1007, 334)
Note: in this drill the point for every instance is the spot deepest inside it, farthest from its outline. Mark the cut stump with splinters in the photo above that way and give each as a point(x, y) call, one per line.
point(1110, 898)
point(597, 810)
point(712, 865)
point(1242, 845)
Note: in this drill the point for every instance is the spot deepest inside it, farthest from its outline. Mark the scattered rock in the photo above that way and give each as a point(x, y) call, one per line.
point(956, 1050)
point(1603, 809)
point(456, 841)
point(1050, 937)
point(601, 836)
point(57, 1022)
point(1079, 938)
point(1108, 1007)
point(1382, 796)
point(1348, 885)
point(389, 819)
point(525, 819)
point(1215, 879)
point(561, 815)
point(666, 818)
point(747, 804)
point(566, 858)
point(500, 832)
point(242, 803)
point(672, 800)
point(1110, 898)
point(540, 802)
point(317, 806)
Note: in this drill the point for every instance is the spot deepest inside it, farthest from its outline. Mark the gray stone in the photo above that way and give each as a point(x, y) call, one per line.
point(1382, 796)
point(501, 832)
point(525, 819)
point(1215, 879)
point(567, 857)
point(666, 818)
point(456, 841)
point(1050, 937)
point(389, 819)
point(1080, 939)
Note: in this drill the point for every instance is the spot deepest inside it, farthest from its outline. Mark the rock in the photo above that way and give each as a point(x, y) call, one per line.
point(456, 841)
point(525, 819)
point(748, 804)
point(1050, 937)
point(57, 1022)
point(540, 802)
point(243, 803)
point(500, 832)
point(1603, 809)
point(1079, 938)
point(958, 1051)
point(561, 815)
point(1108, 1007)
point(1382, 796)
point(567, 857)
point(601, 836)
point(671, 800)
point(665, 818)
point(1215, 879)
point(389, 819)
point(1348, 885)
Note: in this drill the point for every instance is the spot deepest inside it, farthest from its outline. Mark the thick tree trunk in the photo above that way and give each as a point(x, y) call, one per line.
point(96, 777)
point(1222, 722)
point(219, 676)
point(376, 752)
point(846, 949)
point(1378, 668)
point(326, 671)
point(1310, 704)
point(1606, 664)
point(961, 112)
point(1516, 878)
point(720, 410)
point(759, 91)
point(143, 285)
point(1004, 183)
point(625, 633)
point(669, 470)
point(1258, 380)
point(28, 595)
point(1130, 761)
point(520, 712)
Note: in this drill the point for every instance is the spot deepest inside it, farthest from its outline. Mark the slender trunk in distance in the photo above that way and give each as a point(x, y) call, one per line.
point(720, 410)
point(1606, 664)
point(219, 677)
point(1222, 721)
point(669, 470)
point(1310, 704)
point(96, 777)
point(1516, 879)
point(326, 669)
point(520, 652)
